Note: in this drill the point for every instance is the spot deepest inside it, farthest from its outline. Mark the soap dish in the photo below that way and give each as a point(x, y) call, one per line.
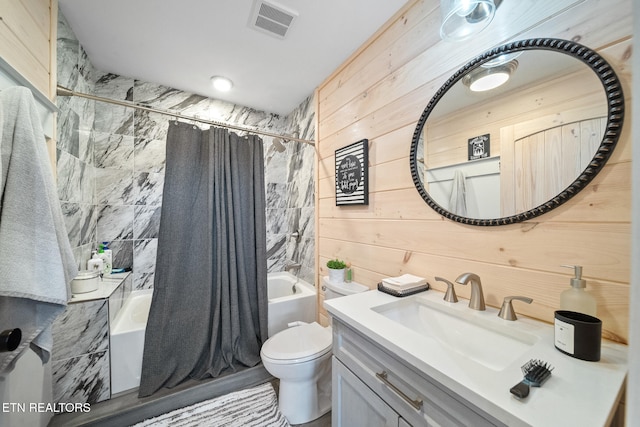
point(412, 291)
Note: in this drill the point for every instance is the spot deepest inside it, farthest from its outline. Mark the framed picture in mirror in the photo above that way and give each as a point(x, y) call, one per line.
point(479, 147)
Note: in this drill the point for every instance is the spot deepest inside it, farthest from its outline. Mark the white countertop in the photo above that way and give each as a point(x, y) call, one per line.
point(106, 286)
point(578, 393)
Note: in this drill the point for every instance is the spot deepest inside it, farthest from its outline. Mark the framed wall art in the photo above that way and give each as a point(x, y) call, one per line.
point(479, 147)
point(352, 174)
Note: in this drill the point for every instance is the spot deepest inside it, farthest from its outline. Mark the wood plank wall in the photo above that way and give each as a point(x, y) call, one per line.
point(379, 94)
point(27, 40)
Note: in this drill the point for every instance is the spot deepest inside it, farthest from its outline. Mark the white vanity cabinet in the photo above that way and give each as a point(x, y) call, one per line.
point(354, 404)
point(372, 387)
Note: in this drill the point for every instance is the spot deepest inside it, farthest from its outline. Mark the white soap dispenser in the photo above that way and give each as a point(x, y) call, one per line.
point(577, 298)
point(95, 263)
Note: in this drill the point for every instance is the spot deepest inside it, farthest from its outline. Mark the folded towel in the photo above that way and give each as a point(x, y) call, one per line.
point(36, 260)
point(406, 281)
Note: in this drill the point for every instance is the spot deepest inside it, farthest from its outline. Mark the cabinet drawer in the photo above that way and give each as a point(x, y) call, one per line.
point(355, 404)
point(417, 398)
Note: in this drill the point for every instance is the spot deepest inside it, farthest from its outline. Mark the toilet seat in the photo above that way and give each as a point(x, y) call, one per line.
point(298, 344)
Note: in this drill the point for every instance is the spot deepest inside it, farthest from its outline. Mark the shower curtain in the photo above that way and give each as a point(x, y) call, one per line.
point(209, 308)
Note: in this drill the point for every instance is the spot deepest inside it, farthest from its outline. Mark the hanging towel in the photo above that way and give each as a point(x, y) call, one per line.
point(458, 197)
point(36, 261)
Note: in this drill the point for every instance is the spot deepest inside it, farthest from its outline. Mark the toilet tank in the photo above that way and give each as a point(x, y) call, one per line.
point(336, 290)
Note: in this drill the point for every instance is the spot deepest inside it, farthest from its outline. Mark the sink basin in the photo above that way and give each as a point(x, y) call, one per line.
point(478, 336)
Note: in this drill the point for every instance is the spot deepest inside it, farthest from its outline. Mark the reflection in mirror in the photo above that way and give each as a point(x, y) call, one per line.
point(512, 153)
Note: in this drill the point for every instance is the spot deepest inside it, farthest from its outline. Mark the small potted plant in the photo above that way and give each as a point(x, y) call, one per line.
point(336, 270)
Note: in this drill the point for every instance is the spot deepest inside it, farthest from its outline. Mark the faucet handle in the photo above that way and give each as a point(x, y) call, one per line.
point(450, 295)
point(506, 311)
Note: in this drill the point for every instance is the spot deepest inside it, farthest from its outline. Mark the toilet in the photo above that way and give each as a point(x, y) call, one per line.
point(300, 357)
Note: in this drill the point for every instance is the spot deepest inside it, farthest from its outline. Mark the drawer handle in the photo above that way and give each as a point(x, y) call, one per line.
point(417, 404)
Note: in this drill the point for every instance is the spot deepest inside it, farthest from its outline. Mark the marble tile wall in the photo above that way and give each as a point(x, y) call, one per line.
point(110, 165)
point(75, 144)
point(289, 177)
point(80, 354)
point(130, 163)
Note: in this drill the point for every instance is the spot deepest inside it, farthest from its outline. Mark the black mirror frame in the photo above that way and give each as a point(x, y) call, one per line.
point(615, 118)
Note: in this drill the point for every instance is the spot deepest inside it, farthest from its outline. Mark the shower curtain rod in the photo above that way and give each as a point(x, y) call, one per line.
point(63, 91)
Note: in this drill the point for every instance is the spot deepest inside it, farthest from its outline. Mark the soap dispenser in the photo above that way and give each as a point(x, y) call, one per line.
point(577, 298)
point(95, 263)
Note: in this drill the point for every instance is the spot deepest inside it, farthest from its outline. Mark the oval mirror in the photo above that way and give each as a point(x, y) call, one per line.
point(509, 154)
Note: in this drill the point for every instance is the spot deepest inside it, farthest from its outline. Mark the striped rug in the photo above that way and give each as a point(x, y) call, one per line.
point(254, 407)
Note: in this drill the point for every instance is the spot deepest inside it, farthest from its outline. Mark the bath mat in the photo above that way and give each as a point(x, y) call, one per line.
point(254, 407)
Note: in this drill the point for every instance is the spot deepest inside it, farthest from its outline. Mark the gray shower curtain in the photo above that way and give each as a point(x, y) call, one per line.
point(209, 309)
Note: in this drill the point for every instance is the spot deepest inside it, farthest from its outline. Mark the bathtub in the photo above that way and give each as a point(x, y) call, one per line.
point(127, 341)
point(285, 306)
point(127, 330)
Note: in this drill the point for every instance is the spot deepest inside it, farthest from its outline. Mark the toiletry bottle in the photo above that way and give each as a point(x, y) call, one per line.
point(109, 253)
point(106, 255)
point(95, 263)
point(109, 257)
point(348, 274)
point(577, 298)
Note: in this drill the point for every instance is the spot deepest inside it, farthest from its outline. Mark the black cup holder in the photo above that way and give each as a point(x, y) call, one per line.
point(578, 335)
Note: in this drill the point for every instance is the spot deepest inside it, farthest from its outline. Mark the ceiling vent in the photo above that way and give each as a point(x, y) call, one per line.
point(271, 18)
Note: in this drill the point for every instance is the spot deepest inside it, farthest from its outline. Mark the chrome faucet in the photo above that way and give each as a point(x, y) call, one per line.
point(477, 297)
point(292, 266)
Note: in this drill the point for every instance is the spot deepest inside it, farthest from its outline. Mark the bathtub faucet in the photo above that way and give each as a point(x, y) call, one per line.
point(293, 266)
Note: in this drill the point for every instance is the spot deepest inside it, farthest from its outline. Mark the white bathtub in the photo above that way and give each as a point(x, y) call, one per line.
point(127, 330)
point(285, 306)
point(127, 341)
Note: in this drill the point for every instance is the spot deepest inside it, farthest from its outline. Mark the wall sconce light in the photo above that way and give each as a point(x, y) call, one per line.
point(482, 79)
point(463, 18)
point(221, 84)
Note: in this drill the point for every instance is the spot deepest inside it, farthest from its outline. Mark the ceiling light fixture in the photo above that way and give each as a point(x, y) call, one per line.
point(463, 18)
point(221, 84)
point(483, 79)
point(501, 59)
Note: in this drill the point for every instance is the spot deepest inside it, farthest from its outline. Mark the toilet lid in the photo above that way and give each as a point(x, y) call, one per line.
point(298, 343)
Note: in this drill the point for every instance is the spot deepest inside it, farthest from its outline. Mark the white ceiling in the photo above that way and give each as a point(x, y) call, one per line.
point(181, 44)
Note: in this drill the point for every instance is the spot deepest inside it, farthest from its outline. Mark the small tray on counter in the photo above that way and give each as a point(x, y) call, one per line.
point(400, 294)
